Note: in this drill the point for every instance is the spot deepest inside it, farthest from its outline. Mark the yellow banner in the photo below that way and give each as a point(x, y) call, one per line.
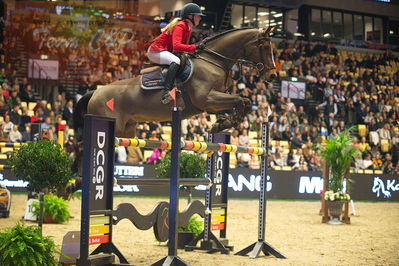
point(99, 230)
point(96, 220)
point(218, 212)
point(217, 219)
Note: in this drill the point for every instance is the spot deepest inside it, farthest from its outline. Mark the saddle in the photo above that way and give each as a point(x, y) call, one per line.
point(153, 75)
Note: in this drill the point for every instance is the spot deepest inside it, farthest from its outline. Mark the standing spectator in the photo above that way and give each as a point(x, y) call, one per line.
point(67, 112)
point(121, 154)
point(134, 155)
point(27, 94)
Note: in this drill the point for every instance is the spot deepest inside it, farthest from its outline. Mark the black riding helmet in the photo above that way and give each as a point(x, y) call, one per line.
point(191, 9)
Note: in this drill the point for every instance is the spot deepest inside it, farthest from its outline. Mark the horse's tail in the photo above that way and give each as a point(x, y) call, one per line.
point(79, 111)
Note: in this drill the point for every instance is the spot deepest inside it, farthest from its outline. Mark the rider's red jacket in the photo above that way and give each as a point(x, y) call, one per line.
point(175, 42)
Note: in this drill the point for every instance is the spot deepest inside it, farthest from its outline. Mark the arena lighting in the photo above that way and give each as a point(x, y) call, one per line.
point(263, 13)
point(294, 79)
point(313, 33)
point(391, 32)
point(202, 8)
point(44, 57)
point(326, 34)
point(298, 34)
point(278, 15)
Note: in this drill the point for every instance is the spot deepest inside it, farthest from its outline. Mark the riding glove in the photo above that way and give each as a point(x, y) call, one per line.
point(200, 46)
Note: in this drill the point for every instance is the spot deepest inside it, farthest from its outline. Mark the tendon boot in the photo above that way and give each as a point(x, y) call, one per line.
point(169, 81)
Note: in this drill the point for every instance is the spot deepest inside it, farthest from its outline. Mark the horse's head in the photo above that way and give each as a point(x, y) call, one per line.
point(259, 50)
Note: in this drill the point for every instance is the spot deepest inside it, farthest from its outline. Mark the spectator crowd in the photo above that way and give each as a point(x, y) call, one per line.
point(343, 89)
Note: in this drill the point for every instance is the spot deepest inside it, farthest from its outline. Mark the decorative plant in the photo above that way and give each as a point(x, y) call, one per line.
point(55, 209)
point(338, 154)
point(191, 166)
point(330, 195)
point(44, 164)
point(194, 225)
point(22, 245)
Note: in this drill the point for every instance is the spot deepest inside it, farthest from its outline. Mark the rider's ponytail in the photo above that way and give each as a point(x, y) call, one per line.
point(171, 25)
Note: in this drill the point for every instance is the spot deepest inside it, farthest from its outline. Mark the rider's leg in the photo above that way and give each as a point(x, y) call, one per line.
point(169, 81)
point(166, 58)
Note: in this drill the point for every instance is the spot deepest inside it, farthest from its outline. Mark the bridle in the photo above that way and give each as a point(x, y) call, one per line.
point(260, 66)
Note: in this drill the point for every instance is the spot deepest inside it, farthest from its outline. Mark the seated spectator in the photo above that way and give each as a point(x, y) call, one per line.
point(15, 135)
point(14, 99)
point(26, 133)
point(7, 125)
point(291, 160)
point(387, 162)
point(243, 139)
point(46, 124)
point(278, 159)
point(364, 146)
point(15, 117)
point(377, 162)
point(385, 132)
point(296, 142)
point(243, 159)
point(303, 165)
point(389, 168)
point(254, 162)
point(3, 135)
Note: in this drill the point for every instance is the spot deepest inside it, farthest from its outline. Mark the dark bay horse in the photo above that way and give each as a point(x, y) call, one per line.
point(204, 91)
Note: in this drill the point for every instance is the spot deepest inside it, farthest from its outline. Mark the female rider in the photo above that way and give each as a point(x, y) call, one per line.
point(174, 38)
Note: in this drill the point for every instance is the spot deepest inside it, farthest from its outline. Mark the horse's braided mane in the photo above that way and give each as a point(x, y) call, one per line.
point(218, 35)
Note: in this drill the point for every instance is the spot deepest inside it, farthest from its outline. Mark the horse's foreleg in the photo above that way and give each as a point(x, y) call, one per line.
point(218, 101)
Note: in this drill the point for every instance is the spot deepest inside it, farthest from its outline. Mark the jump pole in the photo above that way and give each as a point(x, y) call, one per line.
point(172, 258)
point(261, 244)
point(215, 199)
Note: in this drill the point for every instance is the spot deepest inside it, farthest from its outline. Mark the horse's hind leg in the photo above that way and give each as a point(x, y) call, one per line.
point(126, 130)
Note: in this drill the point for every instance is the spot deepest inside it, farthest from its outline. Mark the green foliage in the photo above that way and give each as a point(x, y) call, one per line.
point(339, 153)
point(43, 164)
point(55, 206)
point(194, 225)
point(22, 246)
point(191, 166)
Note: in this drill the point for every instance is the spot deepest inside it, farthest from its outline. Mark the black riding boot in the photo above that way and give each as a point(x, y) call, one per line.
point(169, 81)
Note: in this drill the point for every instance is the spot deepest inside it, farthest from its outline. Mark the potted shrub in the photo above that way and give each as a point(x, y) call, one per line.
point(22, 245)
point(338, 154)
point(191, 166)
point(187, 233)
point(56, 209)
point(44, 164)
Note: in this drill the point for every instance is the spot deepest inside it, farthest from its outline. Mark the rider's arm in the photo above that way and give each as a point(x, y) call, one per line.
point(177, 40)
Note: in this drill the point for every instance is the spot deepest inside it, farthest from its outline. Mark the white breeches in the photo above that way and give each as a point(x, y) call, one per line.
point(162, 57)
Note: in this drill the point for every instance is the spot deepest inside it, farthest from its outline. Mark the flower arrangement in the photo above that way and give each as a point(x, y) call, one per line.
point(339, 153)
point(335, 196)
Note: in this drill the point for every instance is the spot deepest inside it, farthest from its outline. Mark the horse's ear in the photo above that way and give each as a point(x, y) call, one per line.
point(270, 29)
